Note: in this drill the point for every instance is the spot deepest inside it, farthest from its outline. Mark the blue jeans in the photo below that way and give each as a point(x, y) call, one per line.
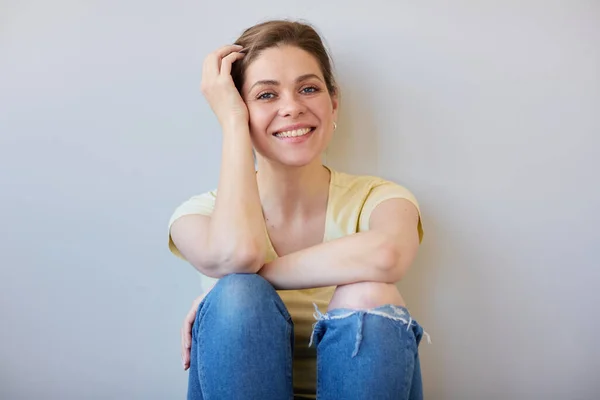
point(243, 340)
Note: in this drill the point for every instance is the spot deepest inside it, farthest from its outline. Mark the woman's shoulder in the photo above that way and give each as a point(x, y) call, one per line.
point(353, 198)
point(347, 184)
point(206, 198)
point(202, 204)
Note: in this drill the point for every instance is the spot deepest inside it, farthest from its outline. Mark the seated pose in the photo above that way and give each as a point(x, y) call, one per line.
point(299, 261)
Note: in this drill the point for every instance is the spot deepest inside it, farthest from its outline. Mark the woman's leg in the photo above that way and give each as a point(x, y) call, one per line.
point(242, 342)
point(370, 352)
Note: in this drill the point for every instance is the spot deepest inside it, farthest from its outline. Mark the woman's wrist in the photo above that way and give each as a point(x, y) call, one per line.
point(235, 126)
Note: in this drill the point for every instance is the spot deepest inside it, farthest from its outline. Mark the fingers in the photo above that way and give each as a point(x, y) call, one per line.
point(185, 353)
point(187, 328)
point(212, 63)
point(228, 61)
point(223, 51)
point(186, 333)
point(186, 337)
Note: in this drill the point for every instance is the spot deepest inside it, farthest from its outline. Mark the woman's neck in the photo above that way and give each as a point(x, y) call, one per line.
point(293, 191)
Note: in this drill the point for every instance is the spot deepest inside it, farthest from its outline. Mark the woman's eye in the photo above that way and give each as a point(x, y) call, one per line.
point(265, 96)
point(310, 89)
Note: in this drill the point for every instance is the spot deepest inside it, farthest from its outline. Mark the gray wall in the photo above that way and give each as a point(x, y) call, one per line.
point(488, 111)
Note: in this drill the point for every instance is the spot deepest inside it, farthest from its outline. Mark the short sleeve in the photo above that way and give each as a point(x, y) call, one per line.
point(382, 192)
point(202, 204)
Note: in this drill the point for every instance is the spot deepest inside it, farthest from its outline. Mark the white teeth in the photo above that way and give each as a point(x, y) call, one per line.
point(294, 133)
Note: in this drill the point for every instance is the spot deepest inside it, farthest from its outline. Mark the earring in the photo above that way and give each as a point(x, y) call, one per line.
point(334, 126)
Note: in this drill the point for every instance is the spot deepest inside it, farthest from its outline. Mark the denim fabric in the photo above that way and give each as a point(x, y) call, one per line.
point(368, 354)
point(243, 340)
point(242, 343)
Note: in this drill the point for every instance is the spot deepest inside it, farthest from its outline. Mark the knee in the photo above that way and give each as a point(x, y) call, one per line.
point(365, 295)
point(241, 295)
point(241, 281)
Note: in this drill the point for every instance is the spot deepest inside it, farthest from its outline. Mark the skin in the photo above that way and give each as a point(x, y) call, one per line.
point(284, 88)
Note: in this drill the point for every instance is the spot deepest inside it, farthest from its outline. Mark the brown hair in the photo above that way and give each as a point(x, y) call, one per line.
point(277, 33)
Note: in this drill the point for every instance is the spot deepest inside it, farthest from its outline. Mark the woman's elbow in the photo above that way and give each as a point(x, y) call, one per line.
point(390, 261)
point(247, 258)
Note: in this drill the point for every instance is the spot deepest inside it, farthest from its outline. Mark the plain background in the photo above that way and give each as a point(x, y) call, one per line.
point(488, 111)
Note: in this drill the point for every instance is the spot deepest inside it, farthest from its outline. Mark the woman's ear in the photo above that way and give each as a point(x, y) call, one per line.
point(335, 105)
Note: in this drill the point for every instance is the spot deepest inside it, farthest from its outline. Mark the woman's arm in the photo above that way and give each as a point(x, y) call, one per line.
point(233, 238)
point(381, 254)
point(237, 225)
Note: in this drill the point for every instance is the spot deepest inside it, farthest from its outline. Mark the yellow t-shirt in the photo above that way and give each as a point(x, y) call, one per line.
point(352, 199)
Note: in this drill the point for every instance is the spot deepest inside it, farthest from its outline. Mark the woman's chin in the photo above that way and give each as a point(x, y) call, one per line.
point(297, 160)
point(298, 157)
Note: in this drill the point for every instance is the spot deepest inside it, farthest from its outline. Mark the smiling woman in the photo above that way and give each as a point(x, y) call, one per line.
point(299, 91)
point(297, 233)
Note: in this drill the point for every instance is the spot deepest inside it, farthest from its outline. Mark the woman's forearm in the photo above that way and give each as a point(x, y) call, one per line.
point(362, 257)
point(237, 227)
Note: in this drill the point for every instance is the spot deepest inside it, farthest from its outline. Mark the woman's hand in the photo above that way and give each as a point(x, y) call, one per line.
point(186, 330)
point(218, 87)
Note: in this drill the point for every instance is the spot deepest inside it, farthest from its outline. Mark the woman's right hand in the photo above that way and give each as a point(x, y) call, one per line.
point(218, 87)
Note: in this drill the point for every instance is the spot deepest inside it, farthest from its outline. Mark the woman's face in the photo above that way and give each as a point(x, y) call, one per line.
point(291, 111)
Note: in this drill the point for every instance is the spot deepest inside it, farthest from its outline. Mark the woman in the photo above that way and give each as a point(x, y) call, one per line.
point(291, 234)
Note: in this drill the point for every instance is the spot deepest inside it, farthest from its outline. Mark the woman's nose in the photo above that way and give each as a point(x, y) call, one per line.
point(291, 106)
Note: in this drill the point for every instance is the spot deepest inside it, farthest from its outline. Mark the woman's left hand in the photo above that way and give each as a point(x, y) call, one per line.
point(186, 330)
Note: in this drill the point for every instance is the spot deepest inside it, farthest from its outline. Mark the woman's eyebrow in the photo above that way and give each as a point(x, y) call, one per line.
point(306, 77)
point(268, 82)
point(271, 82)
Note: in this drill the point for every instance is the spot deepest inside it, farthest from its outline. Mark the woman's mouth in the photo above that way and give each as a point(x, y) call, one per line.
point(295, 133)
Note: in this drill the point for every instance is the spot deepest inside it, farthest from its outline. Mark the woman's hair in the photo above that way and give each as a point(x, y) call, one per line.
point(280, 33)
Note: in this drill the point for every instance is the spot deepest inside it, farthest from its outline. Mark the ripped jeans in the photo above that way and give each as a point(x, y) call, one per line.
point(243, 340)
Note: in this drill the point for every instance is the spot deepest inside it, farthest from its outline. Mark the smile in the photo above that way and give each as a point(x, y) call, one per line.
point(293, 133)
